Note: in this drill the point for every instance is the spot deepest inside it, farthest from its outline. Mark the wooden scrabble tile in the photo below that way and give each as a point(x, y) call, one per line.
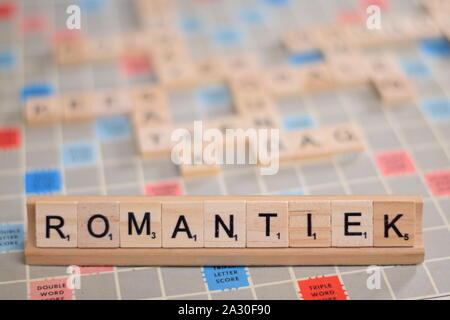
point(71, 51)
point(348, 69)
point(154, 141)
point(42, 110)
point(148, 97)
point(247, 84)
point(413, 28)
point(433, 6)
point(326, 34)
point(325, 141)
point(315, 77)
point(446, 32)
point(140, 223)
point(182, 224)
point(151, 117)
point(168, 39)
point(268, 119)
point(394, 223)
point(396, 31)
point(254, 104)
point(344, 137)
point(237, 64)
point(395, 89)
point(382, 66)
point(199, 170)
point(103, 48)
point(56, 224)
point(283, 81)
point(441, 20)
point(270, 150)
point(351, 223)
point(267, 224)
point(233, 124)
point(338, 49)
point(227, 122)
point(307, 144)
point(197, 160)
point(285, 149)
point(360, 36)
point(110, 102)
point(310, 223)
point(209, 71)
point(160, 23)
point(169, 52)
point(179, 73)
point(225, 223)
point(98, 224)
point(77, 106)
point(299, 40)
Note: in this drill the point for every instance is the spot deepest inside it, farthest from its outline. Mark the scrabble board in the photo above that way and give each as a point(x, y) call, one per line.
point(407, 150)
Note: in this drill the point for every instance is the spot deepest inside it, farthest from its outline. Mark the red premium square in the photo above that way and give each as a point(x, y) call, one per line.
point(322, 288)
point(439, 182)
point(55, 289)
point(394, 163)
point(168, 188)
point(9, 138)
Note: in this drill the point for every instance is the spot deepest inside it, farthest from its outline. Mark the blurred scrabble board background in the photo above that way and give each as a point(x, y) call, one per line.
point(407, 144)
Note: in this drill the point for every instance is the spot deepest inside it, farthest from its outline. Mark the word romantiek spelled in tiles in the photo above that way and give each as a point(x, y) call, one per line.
point(225, 230)
point(224, 222)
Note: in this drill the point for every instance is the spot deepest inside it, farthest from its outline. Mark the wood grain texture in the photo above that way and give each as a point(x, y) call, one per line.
point(319, 232)
point(267, 224)
point(224, 256)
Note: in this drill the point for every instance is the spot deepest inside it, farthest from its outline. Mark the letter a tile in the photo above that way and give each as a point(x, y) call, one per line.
point(182, 224)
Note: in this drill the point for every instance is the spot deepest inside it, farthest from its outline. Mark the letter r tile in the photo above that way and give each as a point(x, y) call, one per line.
point(56, 224)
